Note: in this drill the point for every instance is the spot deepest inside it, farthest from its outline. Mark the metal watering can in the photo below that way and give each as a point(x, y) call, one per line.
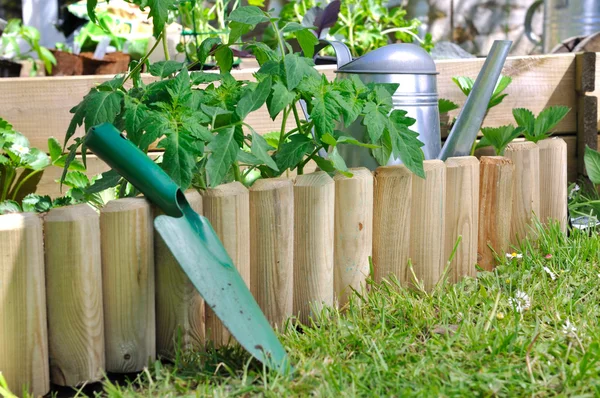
point(563, 19)
point(414, 70)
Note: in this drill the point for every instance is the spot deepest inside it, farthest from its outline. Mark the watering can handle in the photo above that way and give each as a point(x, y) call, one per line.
point(532, 36)
point(342, 52)
point(136, 167)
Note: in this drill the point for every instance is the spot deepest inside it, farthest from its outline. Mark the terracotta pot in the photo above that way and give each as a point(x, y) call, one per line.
point(112, 63)
point(67, 64)
point(9, 68)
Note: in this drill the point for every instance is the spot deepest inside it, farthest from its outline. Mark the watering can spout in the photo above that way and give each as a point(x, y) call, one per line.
point(465, 129)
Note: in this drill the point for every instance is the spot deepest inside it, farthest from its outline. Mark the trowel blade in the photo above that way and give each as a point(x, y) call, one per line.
point(199, 252)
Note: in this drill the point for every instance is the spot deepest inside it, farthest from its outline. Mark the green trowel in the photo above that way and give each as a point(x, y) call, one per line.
point(195, 245)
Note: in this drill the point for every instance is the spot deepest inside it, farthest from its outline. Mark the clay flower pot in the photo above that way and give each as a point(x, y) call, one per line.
point(112, 63)
point(67, 64)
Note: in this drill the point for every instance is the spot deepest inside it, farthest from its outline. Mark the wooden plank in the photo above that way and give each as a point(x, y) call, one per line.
point(553, 182)
point(585, 72)
point(39, 107)
point(587, 128)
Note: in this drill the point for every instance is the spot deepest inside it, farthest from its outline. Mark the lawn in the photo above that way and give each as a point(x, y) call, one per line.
point(531, 327)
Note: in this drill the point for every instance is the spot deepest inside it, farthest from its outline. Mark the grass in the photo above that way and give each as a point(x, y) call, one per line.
point(467, 339)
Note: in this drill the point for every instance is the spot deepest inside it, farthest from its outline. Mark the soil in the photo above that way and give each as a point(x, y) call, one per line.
point(9, 68)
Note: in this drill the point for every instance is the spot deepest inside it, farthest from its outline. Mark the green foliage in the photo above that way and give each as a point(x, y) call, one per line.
point(592, 164)
point(363, 25)
point(537, 129)
point(499, 137)
point(466, 85)
point(201, 125)
point(20, 165)
point(9, 45)
point(446, 105)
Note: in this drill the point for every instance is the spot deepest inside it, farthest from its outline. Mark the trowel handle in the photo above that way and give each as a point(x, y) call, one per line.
point(136, 167)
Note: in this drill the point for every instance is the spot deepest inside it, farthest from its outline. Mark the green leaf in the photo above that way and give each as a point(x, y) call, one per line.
point(293, 151)
point(112, 84)
point(159, 12)
point(291, 27)
point(591, 159)
point(205, 48)
point(500, 137)
point(192, 125)
point(136, 114)
point(328, 139)
point(9, 206)
point(375, 120)
point(156, 126)
point(464, 83)
point(224, 150)
point(178, 162)
point(76, 179)
point(76, 121)
point(405, 144)
point(295, 68)
point(36, 203)
point(249, 15)
point(344, 139)
point(307, 40)
point(204, 77)
point(91, 9)
point(254, 99)
point(548, 119)
point(224, 57)
point(54, 148)
point(248, 158)
point(237, 30)
point(164, 69)
point(339, 163)
point(260, 149)
point(526, 119)
point(446, 106)
point(272, 138)
point(279, 99)
point(325, 165)
point(36, 159)
point(108, 179)
point(101, 107)
point(384, 151)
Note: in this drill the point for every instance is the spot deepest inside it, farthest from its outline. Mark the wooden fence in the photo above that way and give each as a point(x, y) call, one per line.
point(82, 293)
point(39, 107)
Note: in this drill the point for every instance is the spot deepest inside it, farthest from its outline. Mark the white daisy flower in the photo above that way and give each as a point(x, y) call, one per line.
point(512, 255)
point(575, 189)
point(569, 329)
point(521, 301)
point(19, 149)
point(549, 272)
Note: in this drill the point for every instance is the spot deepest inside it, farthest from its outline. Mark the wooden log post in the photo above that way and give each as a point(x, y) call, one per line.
point(495, 208)
point(179, 306)
point(427, 224)
point(553, 181)
point(23, 330)
point(462, 215)
point(128, 284)
point(353, 232)
point(314, 201)
point(272, 247)
point(227, 207)
point(526, 194)
point(74, 295)
point(391, 223)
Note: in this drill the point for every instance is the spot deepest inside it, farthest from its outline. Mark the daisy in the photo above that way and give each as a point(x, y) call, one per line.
point(19, 149)
point(549, 272)
point(569, 329)
point(521, 301)
point(512, 255)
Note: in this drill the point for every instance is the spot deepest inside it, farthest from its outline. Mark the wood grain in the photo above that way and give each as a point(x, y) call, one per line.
point(272, 248)
point(496, 181)
point(391, 223)
point(526, 193)
point(128, 284)
point(227, 207)
point(553, 181)
point(587, 128)
point(314, 201)
point(353, 232)
point(74, 295)
point(23, 328)
point(427, 224)
point(179, 306)
point(462, 215)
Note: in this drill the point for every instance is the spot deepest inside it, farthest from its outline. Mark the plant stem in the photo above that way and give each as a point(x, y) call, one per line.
point(143, 60)
point(286, 113)
point(305, 161)
point(9, 176)
point(22, 182)
point(297, 117)
point(165, 43)
point(279, 38)
point(236, 172)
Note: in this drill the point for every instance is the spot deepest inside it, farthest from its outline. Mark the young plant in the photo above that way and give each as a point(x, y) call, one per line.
point(10, 50)
point(201, 125)
point(466, 86)
point(498, 137)
point(20, 164)
point(539, 128)
point(584, 199)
